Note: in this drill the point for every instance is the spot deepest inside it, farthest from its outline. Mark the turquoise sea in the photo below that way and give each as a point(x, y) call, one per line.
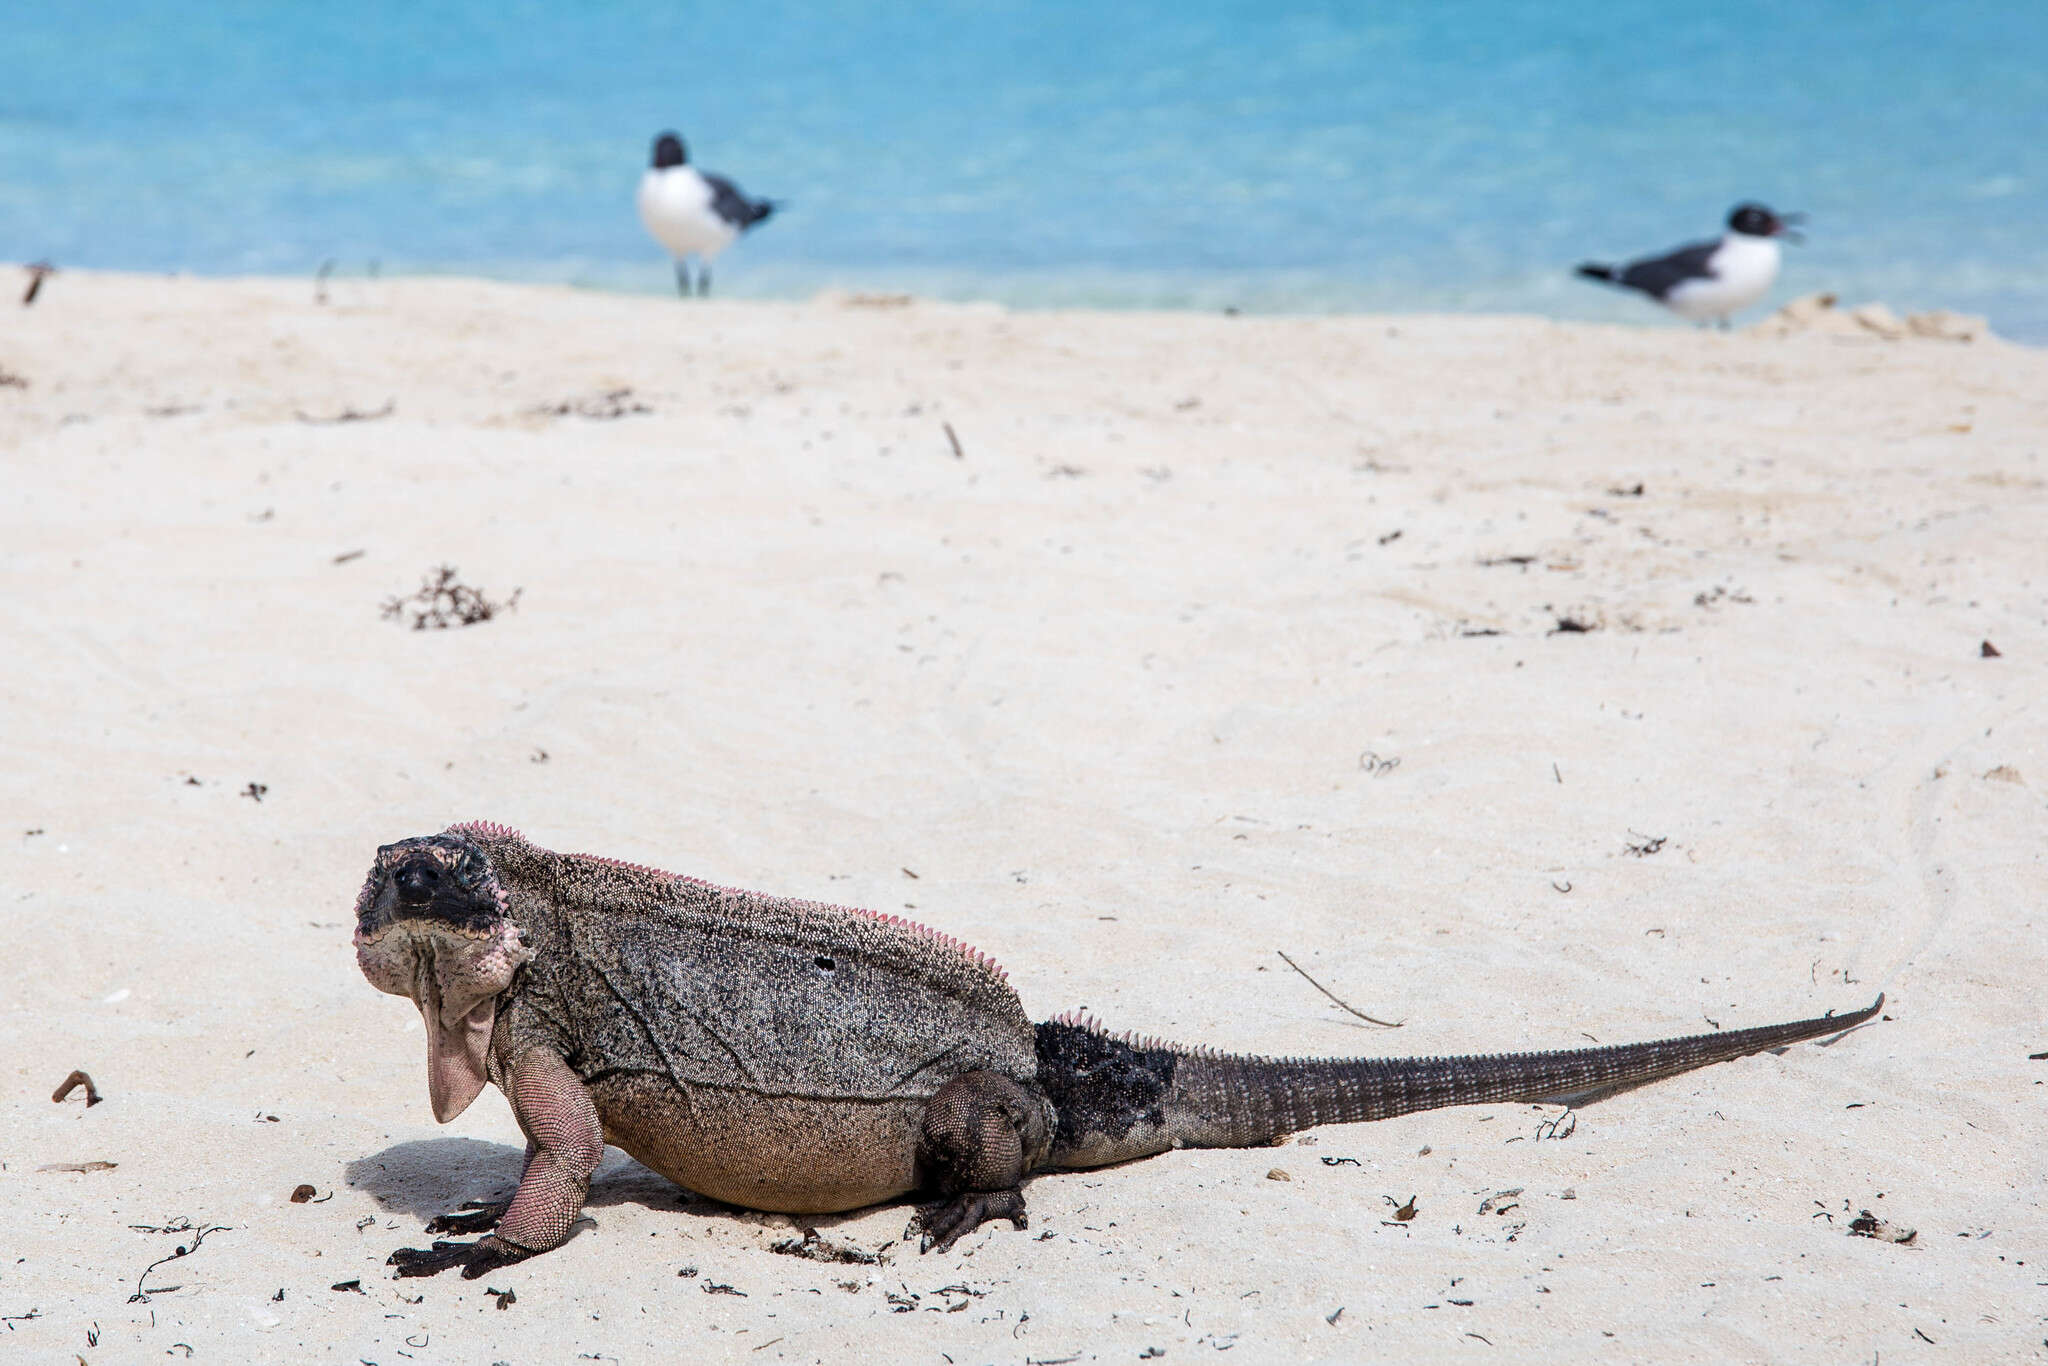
point(1272, 156)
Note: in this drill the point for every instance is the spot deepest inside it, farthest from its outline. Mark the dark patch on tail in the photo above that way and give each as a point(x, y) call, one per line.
point(1100, 1084)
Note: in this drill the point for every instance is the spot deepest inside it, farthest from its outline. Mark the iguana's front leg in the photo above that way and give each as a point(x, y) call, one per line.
point(479, 1216)
point(564, 1143)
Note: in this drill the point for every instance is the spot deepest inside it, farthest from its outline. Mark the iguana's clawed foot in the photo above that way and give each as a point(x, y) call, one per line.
point(476, 1259)
point(945, 1224)
point(484, 1217)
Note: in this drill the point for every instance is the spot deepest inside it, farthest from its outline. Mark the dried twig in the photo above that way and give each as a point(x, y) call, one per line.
point(37, 273)
point(953, 440)
point(184, 1250)
point(1383, 1024)
point(72, 1083)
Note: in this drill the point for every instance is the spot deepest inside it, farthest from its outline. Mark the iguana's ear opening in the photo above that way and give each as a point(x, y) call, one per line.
point(455, 1056)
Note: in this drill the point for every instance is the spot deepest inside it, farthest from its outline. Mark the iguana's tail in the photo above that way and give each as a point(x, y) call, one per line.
point(1120, 1097)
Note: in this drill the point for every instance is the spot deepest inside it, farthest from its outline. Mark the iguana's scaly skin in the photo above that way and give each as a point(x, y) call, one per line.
point(789, 1055)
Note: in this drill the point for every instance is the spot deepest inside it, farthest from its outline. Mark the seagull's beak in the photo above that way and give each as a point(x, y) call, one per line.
point(1786, 227)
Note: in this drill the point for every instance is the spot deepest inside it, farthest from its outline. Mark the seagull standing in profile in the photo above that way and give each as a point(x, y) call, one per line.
point(692, 212)
point(1708, 281)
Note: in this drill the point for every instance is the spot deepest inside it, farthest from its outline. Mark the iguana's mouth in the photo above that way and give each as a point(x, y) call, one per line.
point(425, 887)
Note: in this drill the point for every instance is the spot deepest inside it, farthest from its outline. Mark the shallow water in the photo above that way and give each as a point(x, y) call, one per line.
point(1274, 156)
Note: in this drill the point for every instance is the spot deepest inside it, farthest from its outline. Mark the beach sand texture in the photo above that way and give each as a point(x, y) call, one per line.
point(1217, 637)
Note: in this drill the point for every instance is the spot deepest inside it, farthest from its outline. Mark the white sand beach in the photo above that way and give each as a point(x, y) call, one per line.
point(1524, 682)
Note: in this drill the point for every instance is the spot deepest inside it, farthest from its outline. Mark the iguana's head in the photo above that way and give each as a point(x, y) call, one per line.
point(433, 924)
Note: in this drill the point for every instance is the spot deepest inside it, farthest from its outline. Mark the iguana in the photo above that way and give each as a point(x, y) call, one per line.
point(789, 1055)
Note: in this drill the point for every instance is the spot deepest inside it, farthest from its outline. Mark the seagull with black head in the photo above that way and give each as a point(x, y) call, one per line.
point(693, 213)
point(1708, 281)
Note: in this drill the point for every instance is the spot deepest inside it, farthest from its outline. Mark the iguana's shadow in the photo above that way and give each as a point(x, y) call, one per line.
point(424, 1177)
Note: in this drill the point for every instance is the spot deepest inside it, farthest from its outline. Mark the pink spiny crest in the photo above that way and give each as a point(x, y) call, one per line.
point(1151, 1043)
point(487, 830)
point(972, 954)
point(959, 946)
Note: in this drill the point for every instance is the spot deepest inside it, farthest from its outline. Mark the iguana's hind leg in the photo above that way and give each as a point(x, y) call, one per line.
point(982, 1133)
point(564, 1143)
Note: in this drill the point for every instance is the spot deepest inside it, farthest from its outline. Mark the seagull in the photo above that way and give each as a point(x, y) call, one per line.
point(1710, 280)
point(692, 212)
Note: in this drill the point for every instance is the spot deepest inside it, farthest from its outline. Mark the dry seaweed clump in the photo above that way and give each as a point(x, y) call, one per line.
point(1818, 313)
point(444, 600)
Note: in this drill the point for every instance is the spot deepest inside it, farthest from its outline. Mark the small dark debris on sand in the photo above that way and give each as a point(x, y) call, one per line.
point(1988, 651)
point(608, 406)
point(303, 1192)
point(351, 415)
point(1626, 491)
point(814, 1248)
point(506, 1299)
point(1572, 626)
point(37, 273)
point(72, 1083)
point(10, 380)
point(1868, 1225)
point(1642, 846)
point(443, 600)
point(94, 1166)
point(254, 791)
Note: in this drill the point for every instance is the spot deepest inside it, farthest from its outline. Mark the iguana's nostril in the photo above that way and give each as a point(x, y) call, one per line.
point(416, 881)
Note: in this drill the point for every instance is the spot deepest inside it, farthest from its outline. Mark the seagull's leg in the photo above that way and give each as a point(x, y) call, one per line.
point(704, 281)
point(683, 278)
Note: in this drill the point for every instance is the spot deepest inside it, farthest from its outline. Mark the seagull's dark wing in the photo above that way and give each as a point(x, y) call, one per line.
point(1657, 276)
point(735, 208)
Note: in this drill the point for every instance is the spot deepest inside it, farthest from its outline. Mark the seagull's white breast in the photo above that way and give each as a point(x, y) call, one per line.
point(1744, 269)
point(675, 207)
